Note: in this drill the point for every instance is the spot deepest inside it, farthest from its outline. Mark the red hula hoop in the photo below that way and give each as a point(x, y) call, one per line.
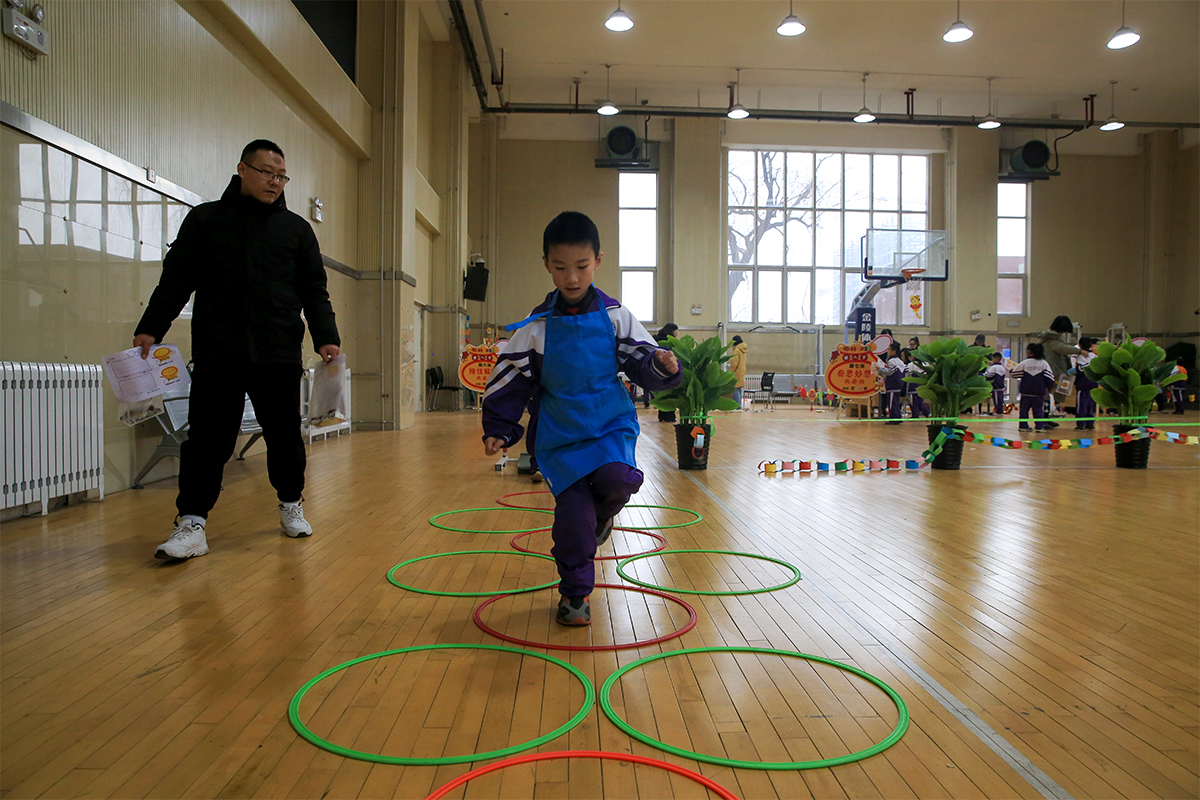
point(478, 617)
point(500, 500)
point(662, 544)
point(713, 786)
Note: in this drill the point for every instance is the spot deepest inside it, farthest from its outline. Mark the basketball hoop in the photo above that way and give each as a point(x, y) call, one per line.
point(912, 279)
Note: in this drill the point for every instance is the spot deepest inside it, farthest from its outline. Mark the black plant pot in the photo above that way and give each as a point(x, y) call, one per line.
point(952, 449)
point(1131, 455)
point(666, 416)
point(689, 456)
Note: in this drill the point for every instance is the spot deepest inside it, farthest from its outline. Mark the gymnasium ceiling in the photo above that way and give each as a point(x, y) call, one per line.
point(1044, 56)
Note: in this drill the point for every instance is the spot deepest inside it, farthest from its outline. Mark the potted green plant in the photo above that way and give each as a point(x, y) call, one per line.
point(950, 382)
point(1130, 377)
point(704, 387)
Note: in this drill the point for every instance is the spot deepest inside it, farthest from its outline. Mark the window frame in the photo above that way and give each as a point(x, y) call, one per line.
point(1023, 276)
point(641, 268)
point(794, 205)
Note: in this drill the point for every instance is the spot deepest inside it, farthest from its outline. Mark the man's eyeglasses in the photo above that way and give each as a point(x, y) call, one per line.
point(270, 176)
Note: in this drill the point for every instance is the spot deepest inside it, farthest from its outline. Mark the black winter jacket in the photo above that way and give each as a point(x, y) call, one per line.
point(253, 266)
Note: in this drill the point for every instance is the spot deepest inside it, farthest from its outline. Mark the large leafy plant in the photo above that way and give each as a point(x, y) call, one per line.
point(950, 379)
point(704, 387)
point(1129, 376)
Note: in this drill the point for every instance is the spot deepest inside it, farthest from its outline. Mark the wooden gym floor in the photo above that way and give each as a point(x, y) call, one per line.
point(1037, 611)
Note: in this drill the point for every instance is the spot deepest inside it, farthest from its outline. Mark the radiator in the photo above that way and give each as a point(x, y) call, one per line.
point(51, 421)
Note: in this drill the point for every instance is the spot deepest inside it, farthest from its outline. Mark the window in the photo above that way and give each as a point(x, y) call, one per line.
point(637, 241)
point(794, 228)
point(1012, 248)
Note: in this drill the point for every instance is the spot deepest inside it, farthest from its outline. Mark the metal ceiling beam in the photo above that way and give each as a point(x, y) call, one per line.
point(819, 116)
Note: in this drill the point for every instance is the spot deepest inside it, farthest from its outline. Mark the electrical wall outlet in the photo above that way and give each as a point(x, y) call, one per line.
point(317, 212)
point(151, 175)
point(975, 315)
point(697, 311)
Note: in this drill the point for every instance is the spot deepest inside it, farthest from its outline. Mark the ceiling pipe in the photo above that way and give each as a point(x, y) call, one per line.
point(497, 76)
point(824, 116)
point(469, 53)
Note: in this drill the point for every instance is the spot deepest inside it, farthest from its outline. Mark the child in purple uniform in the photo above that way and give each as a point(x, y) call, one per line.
point(997, 375)
point(562, 361)
point(1036, 381)
point(1085, 406)
point(893, 383)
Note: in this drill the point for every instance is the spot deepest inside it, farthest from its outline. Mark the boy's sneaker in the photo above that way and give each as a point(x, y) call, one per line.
point(187, 541)
point(536, 476)
point(291, 517)
point(574, 611)
point(603, 531)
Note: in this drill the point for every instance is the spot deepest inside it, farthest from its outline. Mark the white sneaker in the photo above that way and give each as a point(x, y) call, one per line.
point(186, 542)
point(291, 517)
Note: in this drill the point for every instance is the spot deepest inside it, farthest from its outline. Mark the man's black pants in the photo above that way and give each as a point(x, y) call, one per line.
point(215, 417)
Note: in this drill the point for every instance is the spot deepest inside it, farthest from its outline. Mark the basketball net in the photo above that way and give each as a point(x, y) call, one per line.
point(912, 287)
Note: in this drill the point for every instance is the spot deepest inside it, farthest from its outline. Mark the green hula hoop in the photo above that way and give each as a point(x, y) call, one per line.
point(392, 579)
point(324, 744)
point(699, 517)
point(489, 508)
point(893, 737)
point(795, 573)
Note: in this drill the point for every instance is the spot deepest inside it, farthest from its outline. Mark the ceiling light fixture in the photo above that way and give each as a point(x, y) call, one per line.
point(1112, 123)
point(791, 25)
point(608, 107)
point(865, 114)
point(959, 31)
point(989, 122)
point(1125, 36)
point(618, 20)
point(736, 109)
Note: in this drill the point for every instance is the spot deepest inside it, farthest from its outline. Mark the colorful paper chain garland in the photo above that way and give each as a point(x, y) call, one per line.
point(886, 464)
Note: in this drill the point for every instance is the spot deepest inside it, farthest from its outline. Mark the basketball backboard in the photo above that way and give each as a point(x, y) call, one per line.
point(886, 254)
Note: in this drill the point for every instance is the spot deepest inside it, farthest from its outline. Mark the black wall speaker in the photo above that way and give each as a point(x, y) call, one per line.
point(622, 142)
point(475, 284)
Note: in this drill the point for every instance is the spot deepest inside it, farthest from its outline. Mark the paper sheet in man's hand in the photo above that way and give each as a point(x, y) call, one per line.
point(135, 379)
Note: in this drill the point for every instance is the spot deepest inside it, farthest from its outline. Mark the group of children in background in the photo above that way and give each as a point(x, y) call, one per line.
point(1035, 382)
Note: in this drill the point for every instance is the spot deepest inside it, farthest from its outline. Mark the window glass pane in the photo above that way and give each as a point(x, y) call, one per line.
point(120, 206)
point(828, 296)
point(1010, 296)
point(885, 222)
point(858, 181)
point(741, 235)
point(770, 178)
point(637, 294)
point(150, 221)
point(770, 243)
point(800, 239)
point(914, 222)
point(637, 244)
point(885, 307)
point(914, 183)
point(637, 190)
point(829, 239)
point(770, 296)
point(799, 296)
point(856, 225)
point(740, 306)
point(1010, 199)
point(30, 170)
point(887, 182)
point(1010, 238)
point(741, 178)
point(829, 180)
point(854, 284)
point(912, 305)
point(800, 180)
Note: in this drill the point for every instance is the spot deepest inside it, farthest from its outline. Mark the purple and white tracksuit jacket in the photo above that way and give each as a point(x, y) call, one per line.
point(1036, 381)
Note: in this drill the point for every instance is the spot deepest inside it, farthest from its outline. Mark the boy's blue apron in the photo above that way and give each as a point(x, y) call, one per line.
point(586, 418)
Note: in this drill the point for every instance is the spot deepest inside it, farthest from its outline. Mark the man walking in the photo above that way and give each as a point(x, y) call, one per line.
point(253, 266)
